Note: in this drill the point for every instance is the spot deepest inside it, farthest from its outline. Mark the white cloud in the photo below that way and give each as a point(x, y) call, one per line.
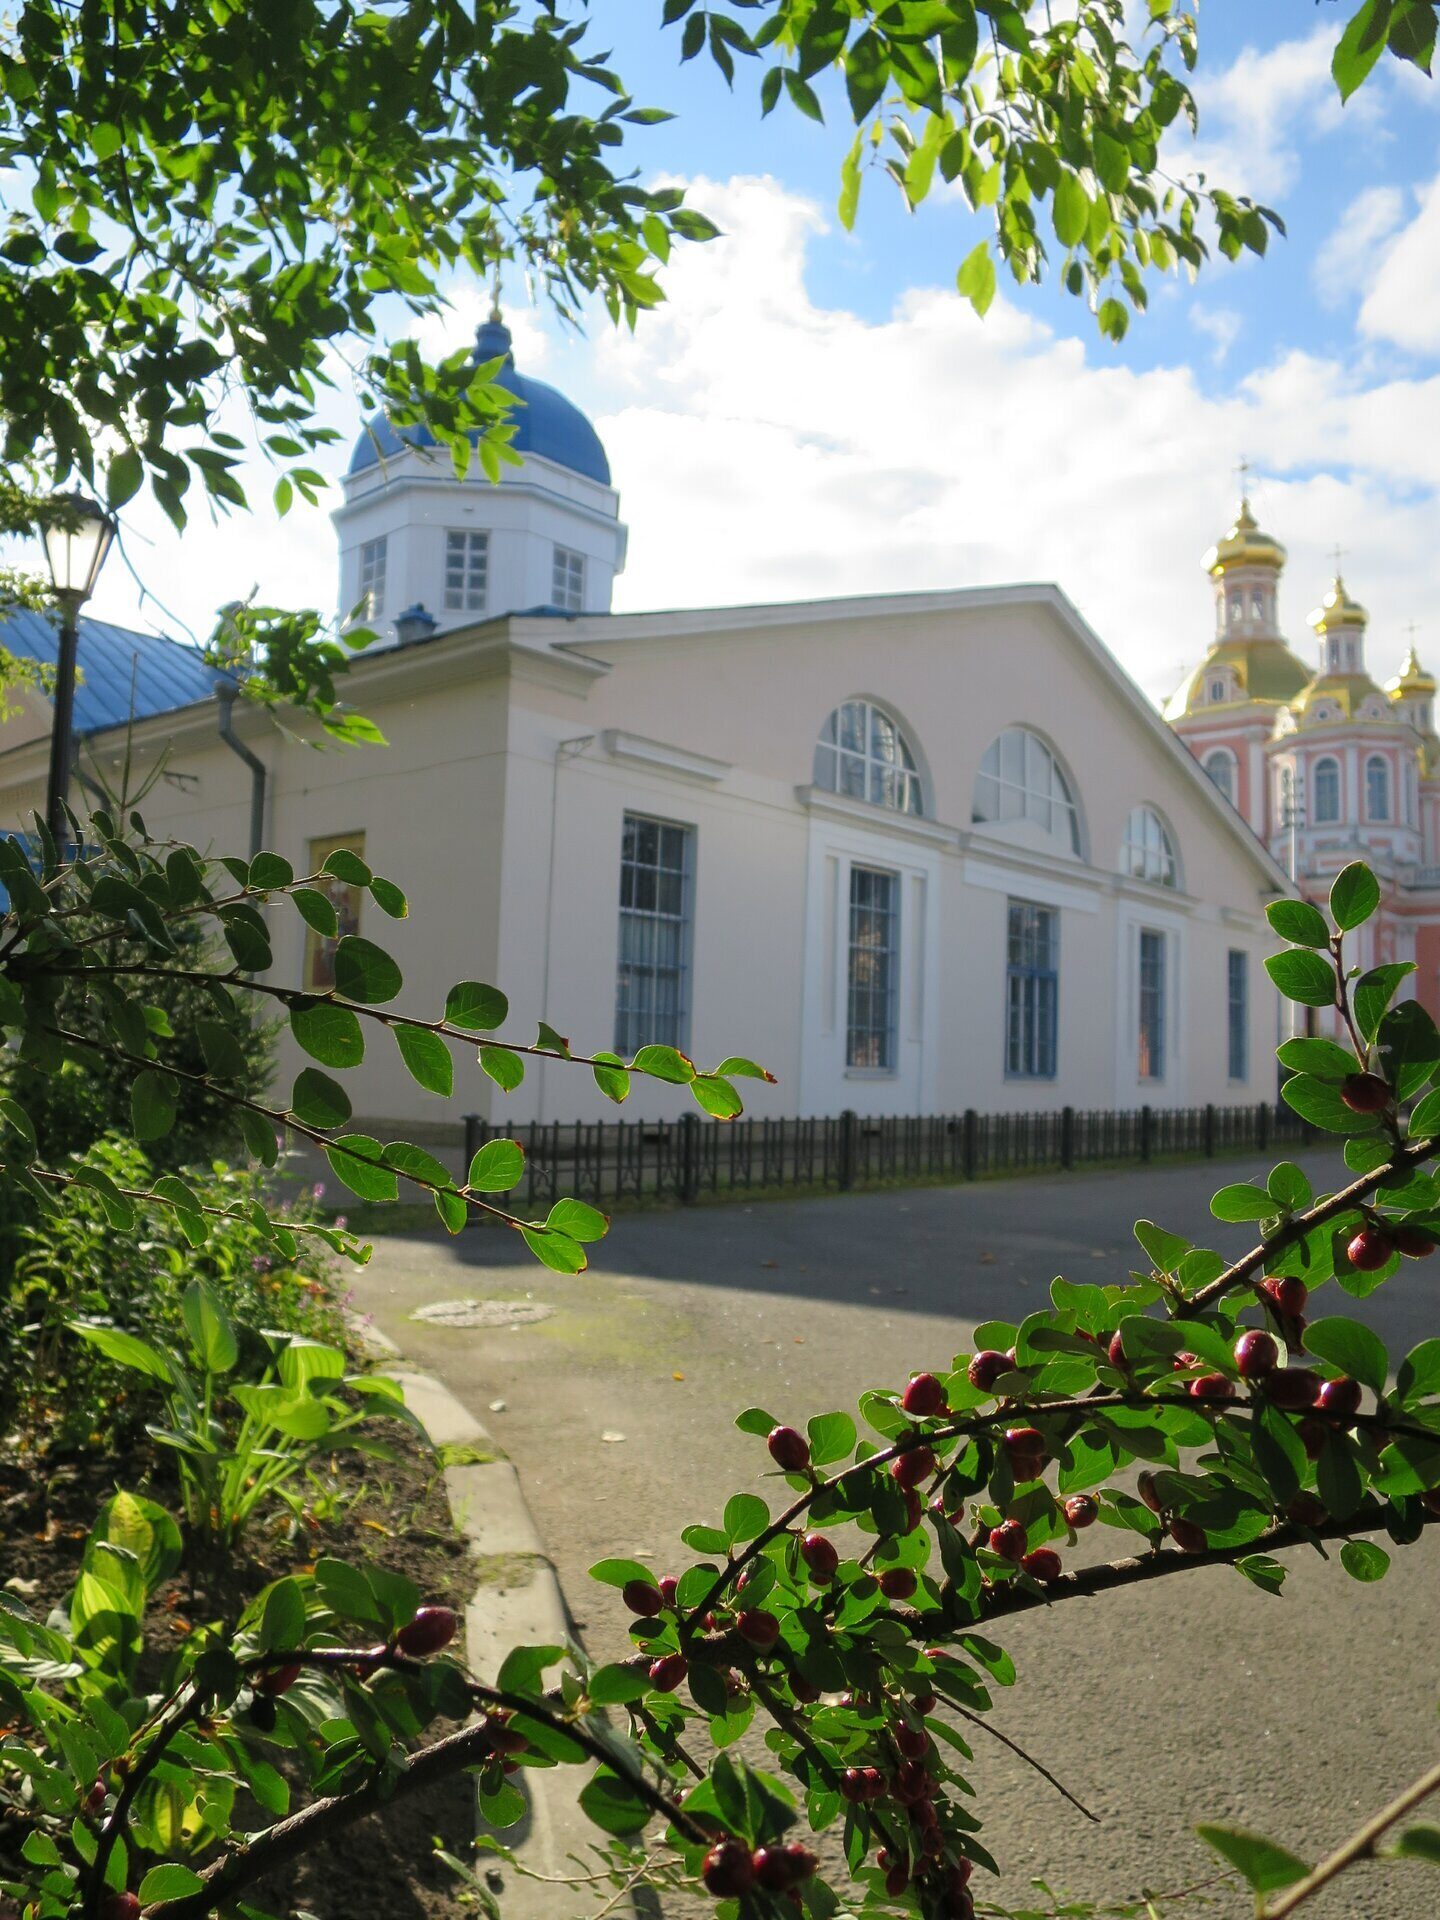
point(1253, 113)
point(1343, 266)
point(1403, 303)
point(769, 448)
point(1221, 325)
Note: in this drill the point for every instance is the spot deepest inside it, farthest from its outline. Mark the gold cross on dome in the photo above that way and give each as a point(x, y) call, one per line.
point(1243, 471)
point(1337, 554)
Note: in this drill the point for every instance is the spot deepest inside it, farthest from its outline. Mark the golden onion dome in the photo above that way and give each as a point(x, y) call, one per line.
point(1338, 609)
point(1412, 678)
point(1243, 545)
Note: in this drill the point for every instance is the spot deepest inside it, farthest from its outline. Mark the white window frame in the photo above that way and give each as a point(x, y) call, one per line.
point(1161, 938)
point(467, 569)
point(1039, 791)
point(1374, 762)
point(1318, 817)
point(1237, 1015)
point(567, 579)
point(675, 1031)
point(373, 561)
point(862, 875)
point(1222, 757)
point(1148, 851)
point(881, 770)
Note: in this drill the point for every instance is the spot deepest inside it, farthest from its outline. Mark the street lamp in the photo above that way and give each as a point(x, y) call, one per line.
point(77, 540)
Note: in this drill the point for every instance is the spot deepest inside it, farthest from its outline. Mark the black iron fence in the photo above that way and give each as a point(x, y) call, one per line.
point(606, 1161)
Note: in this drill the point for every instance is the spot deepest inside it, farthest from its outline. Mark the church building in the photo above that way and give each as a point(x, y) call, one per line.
point(1325, 766)
point(915, 851)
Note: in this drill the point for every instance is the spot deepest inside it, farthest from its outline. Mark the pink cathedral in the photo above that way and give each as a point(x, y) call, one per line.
point(1325, 766)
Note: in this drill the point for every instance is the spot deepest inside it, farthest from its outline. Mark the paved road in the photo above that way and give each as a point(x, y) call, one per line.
point(1192, 1698)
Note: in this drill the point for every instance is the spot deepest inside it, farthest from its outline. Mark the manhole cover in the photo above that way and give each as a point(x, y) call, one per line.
point(484, 1313)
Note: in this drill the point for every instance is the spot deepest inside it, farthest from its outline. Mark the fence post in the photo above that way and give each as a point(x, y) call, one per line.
point(969, 1127)
point(689, 1157)
point(473, 1128)
point(1262, 1125)
point(1209, 1132)
point(1067, 1137)
point(847, 1149)
point(1145, 1118)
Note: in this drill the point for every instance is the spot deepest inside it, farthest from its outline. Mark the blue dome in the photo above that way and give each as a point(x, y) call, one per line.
point(546, 424)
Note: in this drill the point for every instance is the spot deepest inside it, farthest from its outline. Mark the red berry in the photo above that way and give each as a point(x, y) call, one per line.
point(669, 1587)
point(932, 1842)
point(1293, 1388)
point(757, 1626)
point(1184, 1361)
point(95, 1799)
point(1146, 1488)
point(668, 1671)
point(1370, 1249)
point(120, 1906)
point(804, 1690)
point(1365, 1093)
point(910, 1782)
point(277, 1680)
point(1187, 1536)
point(504, 1738)
point(986, 1368)
point(908, 1469)
point(924, 1815)
point(1116, 1351)
point(1430, 1500)
point(1340, 1397)
point(820, 1556)
point(1081, 1510)
point(913, 1742)
point(430, 1630)
point(898, 1583)
point(1256, 1354)
point(874, 1783)
point(924, 1704)
point(1413, 1242)
point(789, 1449)
point(853, 1786)
point(913, 1510)
point(642, 1598)
point(1313, 1435)
point(1042, 1564)
point(777, 1869)
point(924, 1397)
point(1306, 1509)
point(727, 1871)
point(1008, 1540)
point(1286, 1294)
point(1212, 1386)
point(897, 1878)
point(1025, 1447)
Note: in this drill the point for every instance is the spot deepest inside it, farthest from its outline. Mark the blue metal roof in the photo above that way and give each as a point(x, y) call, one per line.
point(123, 674)
point(546, 423)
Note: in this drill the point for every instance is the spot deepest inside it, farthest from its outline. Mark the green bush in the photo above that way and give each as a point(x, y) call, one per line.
point(72, 1264)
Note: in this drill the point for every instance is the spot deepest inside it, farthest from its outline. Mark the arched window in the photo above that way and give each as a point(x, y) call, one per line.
point(1220, 770)
point(1377, 788)
point(1218, 691)
point(1147, 853)
point(1257, 604)
point(1325, 786)
point(1020, 779)
point(861, 752)
point(1325, 783)
point(1237, 608)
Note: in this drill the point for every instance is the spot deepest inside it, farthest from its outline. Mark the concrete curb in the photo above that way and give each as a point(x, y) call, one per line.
point(517, 1602)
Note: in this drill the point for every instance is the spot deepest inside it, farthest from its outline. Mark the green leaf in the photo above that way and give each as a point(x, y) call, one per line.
point(1266, 1866)
point(212, 1334)
point(1419, 1374)
point(611, 1076)
point(269, 870)
point(746, 1515)
point(475, 1008)
point(1319, 1102)
point(1262, 1571)
point(619, 1573)
point(152, 1105)
point(1164, 1250)
point(832, 1437)
point(369, 1181)
point(716, 1096)
point(1242, 1202)
point(329, 1033)
point(1418, 1843)
point(1360, 46)
point(756, 1420)
point(1373, 993)
point(224, 1056)
point(169, 1882)
point(318, 1101)
point(1364, 1561)
point(365, 972)
point(451, 1209)
point(1337, 1477)
point(1303, 976)
point(1323, 1058)
point(388, 897)
point(349, 867)
point(282, 1624)
point(505, 1068)
point(736, 1067)
point(555, 1250)
point(976, 278)
point(428, 1059)
point(497, 1167)
point(616, 1686)
point(1071, 209)
point(1351, 1348)
point(1407, 1048)
point(317, 910)
point(612, 1804)
point(664, 1063)
point(581, 1222)
point(1425, 1117)
point(1278, 1451)
point(1298, 921)
point(1289, 1188)
point(124, 1349)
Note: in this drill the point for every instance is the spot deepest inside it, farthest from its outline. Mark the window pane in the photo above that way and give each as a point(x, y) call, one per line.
point(1152, 1005)
point(650, 992)
point(1031, 990)
point(873, 969)
point(1238, 999)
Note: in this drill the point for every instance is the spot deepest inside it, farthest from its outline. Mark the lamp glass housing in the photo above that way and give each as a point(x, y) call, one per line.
point(76, 550)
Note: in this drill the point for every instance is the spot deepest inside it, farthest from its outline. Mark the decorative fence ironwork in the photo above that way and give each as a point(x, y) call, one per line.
point(606, 1161)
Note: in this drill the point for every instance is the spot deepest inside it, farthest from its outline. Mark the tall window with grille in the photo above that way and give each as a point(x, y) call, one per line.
point(874, 973)
point(656, 885)
point(1032, 991)
point(372, 578)
point(567, 580)
point(1152, 1004)
point(1237, 984)
point(467, 569)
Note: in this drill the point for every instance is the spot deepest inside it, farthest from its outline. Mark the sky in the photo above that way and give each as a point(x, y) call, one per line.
point(817, 412)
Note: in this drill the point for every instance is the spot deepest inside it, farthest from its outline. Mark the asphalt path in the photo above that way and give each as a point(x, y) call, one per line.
point(1186, 1699)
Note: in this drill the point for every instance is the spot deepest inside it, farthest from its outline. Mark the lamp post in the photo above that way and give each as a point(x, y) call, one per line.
point(77, 540)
